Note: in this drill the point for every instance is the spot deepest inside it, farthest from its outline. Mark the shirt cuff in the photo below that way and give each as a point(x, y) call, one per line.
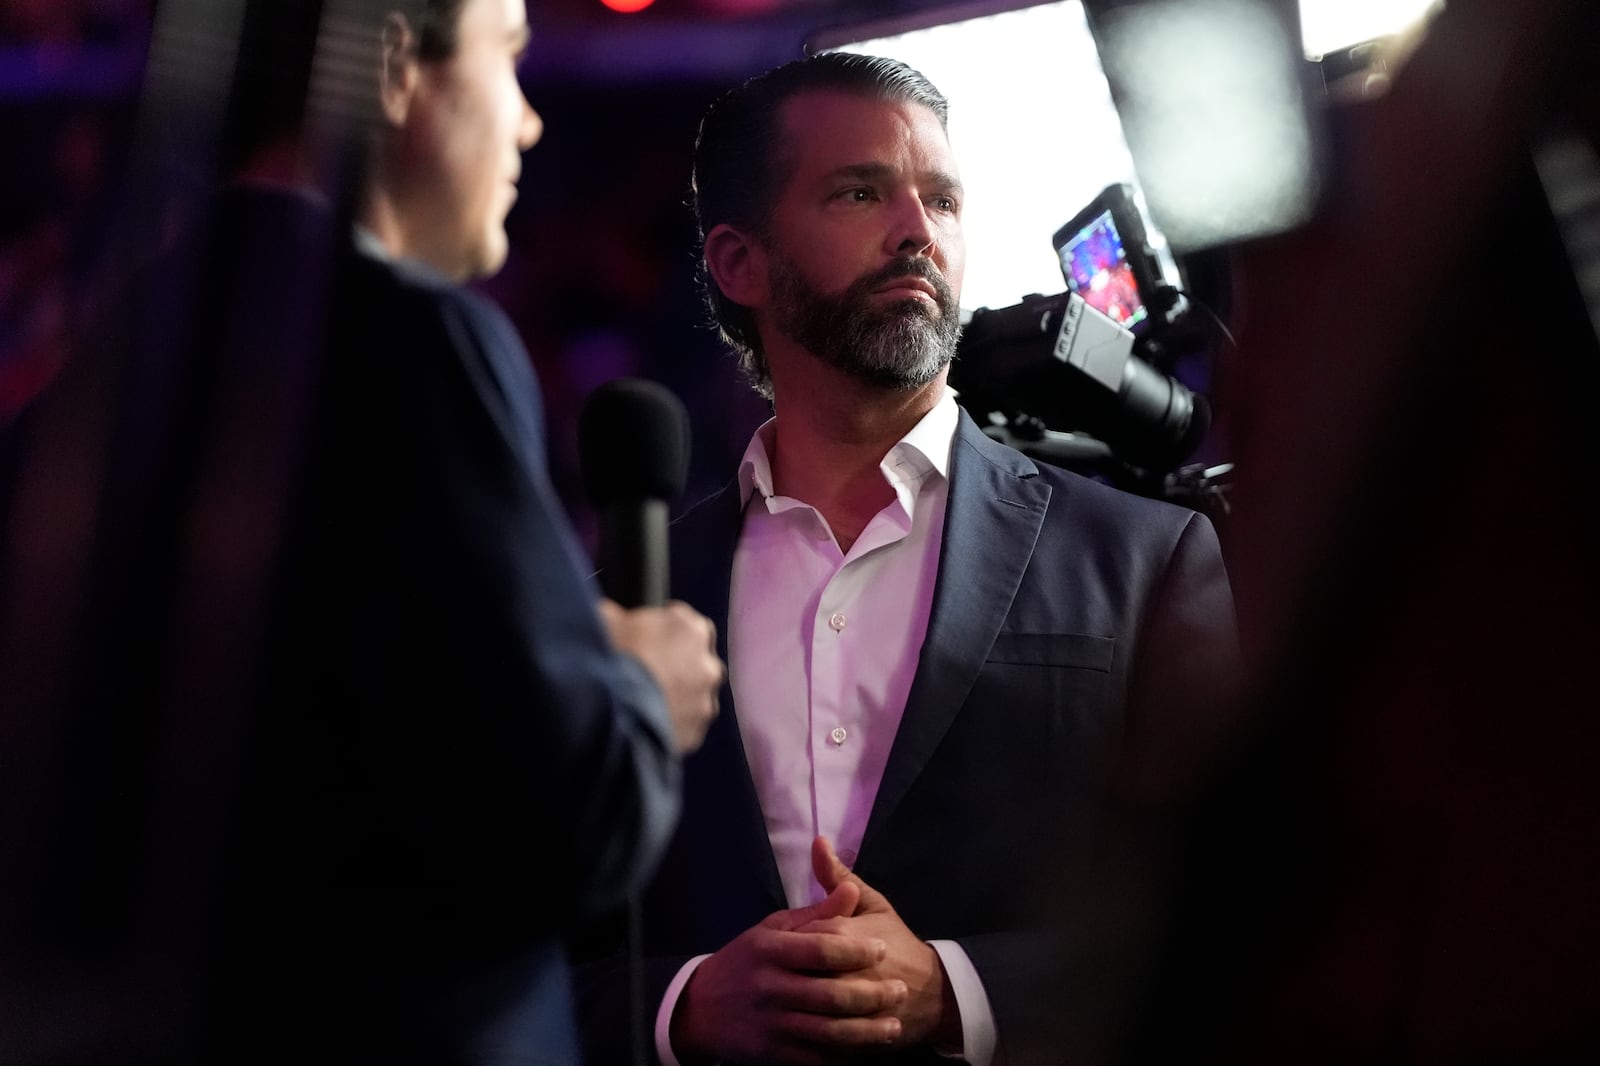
point(669, 1003)
point(972, 1003)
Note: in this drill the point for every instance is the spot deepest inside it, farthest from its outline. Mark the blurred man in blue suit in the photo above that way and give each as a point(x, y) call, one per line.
point(323, 734)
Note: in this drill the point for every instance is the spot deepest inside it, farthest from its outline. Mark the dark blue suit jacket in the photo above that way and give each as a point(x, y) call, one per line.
point(341, 748)
point(1072, 626)
point(528, 775)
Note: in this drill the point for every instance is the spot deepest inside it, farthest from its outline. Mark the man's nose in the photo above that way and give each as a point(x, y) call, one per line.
point(912, 232)
point(532, 127)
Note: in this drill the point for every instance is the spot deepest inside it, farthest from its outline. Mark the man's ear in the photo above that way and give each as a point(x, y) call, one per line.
point(397, 68)
point(737, 264)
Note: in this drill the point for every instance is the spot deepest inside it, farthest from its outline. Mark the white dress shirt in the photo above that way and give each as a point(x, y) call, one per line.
point(822, 647)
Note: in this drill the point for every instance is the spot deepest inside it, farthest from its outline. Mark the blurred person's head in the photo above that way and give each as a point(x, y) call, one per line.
point(423, 97)
point(452, 126)
point(829, 211)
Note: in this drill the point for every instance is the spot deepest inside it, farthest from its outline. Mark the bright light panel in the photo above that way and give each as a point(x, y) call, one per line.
point(1212, 104)
point(1329, 25)
point(1034, 131)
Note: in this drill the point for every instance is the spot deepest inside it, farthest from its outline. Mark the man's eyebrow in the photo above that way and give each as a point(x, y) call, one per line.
point(941, 180)
point(878, 171)
point(861, 171)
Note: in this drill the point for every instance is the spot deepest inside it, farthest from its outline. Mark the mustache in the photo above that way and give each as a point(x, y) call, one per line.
point(906, 268)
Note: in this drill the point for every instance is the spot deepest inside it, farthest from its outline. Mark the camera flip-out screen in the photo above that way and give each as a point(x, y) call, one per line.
point(1105, 261)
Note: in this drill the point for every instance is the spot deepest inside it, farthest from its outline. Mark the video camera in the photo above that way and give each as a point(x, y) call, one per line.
point(1061, 375)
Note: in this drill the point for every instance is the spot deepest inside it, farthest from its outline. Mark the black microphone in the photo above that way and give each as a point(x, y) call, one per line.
point(633, 449)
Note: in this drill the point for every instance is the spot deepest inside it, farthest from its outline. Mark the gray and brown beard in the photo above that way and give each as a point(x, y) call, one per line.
point(902, 345)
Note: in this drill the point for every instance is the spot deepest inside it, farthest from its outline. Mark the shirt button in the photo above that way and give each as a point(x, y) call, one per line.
point(838, 734)
point(847, 857)
point(837, 621)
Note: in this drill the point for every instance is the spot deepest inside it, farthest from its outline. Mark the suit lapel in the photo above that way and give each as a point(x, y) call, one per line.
point(720, 792)
point(995, 507)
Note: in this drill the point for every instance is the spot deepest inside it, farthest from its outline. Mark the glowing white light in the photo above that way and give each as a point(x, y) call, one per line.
point(1213, 109)
point(1328, 25)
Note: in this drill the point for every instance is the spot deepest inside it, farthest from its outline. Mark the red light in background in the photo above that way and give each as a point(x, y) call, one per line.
point(627, 7)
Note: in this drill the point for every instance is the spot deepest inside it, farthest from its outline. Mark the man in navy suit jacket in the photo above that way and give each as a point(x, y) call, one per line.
point(342, 738)
point(943, 658)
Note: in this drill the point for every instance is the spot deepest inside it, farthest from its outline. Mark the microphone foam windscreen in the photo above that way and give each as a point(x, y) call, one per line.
point(633, 442)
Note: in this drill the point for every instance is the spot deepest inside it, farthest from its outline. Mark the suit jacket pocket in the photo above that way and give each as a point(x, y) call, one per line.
point(1078, 650)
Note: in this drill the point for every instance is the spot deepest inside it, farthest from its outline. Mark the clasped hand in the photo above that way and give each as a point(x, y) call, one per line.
point(816, 984)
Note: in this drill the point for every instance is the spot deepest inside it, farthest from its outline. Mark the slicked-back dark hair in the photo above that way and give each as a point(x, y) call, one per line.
point(277, 49)
point(741, 163)
point(438, 23)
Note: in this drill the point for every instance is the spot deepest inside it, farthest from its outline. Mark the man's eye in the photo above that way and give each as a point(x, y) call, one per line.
point(945, 203)
point(855, 195)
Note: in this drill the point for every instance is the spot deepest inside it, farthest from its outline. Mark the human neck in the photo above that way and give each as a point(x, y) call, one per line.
point(378, 214)
point(831, 432)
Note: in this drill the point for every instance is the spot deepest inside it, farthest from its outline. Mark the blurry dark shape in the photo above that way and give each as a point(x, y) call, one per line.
point(57, 204)
point(143, 505)
point(141, 543)
point(61, 23)
point(272, 548)
point(1393, 857)
point(1569, 170)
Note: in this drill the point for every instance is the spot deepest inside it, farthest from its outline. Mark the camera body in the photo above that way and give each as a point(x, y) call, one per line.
point(1057, 360)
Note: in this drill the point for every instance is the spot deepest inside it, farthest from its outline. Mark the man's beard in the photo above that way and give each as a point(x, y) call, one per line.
point(901, 345)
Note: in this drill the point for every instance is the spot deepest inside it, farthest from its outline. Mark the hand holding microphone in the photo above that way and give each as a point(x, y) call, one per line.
point(677, 645)
point(633, 441)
